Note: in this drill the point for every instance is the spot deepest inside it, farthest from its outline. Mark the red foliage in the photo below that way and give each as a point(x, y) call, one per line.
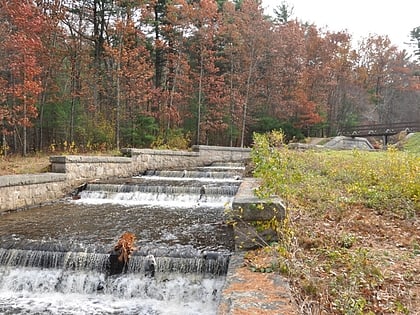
point(21, 46)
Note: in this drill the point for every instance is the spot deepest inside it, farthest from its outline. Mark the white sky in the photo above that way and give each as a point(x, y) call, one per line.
point(360, 18)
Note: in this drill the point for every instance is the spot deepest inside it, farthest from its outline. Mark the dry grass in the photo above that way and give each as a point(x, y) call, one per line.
point(40, 162)
point(351, 244)
point(16, 164)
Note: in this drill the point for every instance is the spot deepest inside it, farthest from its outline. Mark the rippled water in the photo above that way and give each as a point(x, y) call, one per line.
point(75, 225)
point(52, 257)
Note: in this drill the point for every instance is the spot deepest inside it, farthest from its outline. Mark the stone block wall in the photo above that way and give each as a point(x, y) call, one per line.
point(20, 191)
point(211, 154)
point(148, 159)
point(81, 168)
point(145, 159)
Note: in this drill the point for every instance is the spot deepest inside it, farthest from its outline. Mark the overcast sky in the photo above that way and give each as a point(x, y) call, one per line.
point(359, 17)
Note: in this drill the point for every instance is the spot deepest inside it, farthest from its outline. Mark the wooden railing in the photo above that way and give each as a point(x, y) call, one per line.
point(380, 129)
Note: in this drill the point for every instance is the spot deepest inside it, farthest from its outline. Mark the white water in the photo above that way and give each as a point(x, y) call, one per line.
point(153, 199)
point(189, 179)
point(54, 291)
point(72, 290)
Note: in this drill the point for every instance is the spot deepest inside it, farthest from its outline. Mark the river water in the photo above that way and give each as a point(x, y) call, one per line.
point(53, 257)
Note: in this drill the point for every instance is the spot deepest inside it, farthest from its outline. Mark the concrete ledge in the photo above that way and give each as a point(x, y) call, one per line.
point(133, 152)
point(251, 216)
point(58, 162)
point(88, 159)
point(80, 167)
point(247, 292)
point(30, 179)
point(21, 191)
point(218, 148)
point(248, 207)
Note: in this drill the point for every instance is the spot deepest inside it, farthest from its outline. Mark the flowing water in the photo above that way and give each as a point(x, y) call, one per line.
point(54, 258)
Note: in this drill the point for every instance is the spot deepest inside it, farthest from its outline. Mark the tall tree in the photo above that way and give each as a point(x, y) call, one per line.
point(377, 55)
point(210, 87)
point(283, 13)
point(50, 59)
point(22, 45)
point(230, 65)
point(415, 36)
point(253, 29)
point(131, 71)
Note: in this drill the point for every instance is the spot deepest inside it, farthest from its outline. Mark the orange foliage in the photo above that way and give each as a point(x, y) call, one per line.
point(125, 246)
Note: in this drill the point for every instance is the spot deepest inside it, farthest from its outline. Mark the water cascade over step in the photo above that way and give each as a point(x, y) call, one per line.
point(175, 188)
point(54, 259)
point(206, 263)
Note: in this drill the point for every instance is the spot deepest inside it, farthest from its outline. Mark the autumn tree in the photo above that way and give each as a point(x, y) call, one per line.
point(230, 66)
point(21, 70)
point(211, 91)
point(379, 75)
point(284, 89)
point(107, 73)
point(330, 82)
point(50, 59)
point(87, 27)
point(131, 73)
point(344, 95)
point(252, 46)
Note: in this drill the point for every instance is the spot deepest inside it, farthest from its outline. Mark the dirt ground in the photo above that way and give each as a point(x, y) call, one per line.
point(392, 245)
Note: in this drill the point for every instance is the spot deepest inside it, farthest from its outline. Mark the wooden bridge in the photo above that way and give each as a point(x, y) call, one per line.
point(384, 130)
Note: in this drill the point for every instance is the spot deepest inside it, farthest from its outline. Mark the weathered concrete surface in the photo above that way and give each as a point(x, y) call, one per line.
point(19, 191)
point(248, 209)
point(83, 168)
point(30, 179)
point(144, 159)
point(246, 292)
point(254, 293)
point(149, 159)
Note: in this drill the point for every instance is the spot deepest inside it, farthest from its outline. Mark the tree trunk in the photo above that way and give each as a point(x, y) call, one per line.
point(200, 92)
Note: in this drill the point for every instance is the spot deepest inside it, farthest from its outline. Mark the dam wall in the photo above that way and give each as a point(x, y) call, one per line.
point(70, 171)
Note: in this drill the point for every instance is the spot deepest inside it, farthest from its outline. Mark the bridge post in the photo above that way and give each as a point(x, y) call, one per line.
point(385, 140)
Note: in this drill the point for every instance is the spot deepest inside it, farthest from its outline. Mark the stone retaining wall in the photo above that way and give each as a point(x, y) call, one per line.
point(19, 191)
point(80, 168)
point(148, 159)
point(144, 159)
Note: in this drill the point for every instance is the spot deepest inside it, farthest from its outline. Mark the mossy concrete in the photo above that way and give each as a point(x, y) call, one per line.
point(254, 219)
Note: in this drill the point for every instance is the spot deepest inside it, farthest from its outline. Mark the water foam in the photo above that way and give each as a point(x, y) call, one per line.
point(152, 199)
point(54, 291)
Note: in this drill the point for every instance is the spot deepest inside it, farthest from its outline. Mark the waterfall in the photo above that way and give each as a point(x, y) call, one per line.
point(215, 264)
point(54, 259)
point(164, 191)
point(54, 291)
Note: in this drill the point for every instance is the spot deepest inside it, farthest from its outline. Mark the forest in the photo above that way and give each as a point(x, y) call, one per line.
point(107, 74)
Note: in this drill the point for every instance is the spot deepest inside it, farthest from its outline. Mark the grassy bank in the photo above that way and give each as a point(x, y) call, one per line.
point(412, 144)
point(351, 241)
